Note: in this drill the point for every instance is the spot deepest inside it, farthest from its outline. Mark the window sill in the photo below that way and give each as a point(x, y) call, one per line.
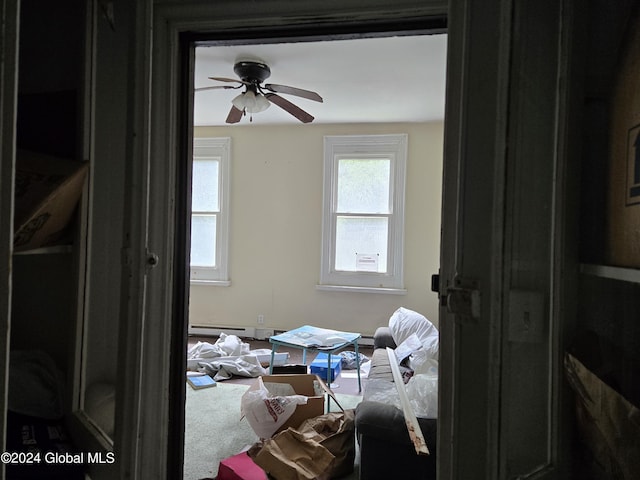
point(345, 288)
point(212, 283)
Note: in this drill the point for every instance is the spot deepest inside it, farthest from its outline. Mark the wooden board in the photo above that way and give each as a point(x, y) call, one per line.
point(415, 432)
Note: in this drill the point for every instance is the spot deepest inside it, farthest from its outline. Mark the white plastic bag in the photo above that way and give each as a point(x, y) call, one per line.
point(410, 345)
point(266, 411)
point(404, 322)
point(422, 391)
point(420, 362)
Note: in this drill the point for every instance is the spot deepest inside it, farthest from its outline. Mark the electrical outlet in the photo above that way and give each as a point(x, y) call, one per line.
point(260, 319)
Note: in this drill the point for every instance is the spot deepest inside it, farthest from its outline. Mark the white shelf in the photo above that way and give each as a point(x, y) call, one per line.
point(614, 273)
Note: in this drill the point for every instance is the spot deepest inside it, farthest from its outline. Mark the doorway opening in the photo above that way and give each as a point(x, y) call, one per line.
point(271, 252)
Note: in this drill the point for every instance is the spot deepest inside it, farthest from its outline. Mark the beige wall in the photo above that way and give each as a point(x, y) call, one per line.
point(276, 223)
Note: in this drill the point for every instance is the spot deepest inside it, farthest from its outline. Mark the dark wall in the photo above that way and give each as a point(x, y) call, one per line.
point(604, 43)
point(607, 336)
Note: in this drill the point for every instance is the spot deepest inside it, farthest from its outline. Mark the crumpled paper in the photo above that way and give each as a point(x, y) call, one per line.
point(227, 357)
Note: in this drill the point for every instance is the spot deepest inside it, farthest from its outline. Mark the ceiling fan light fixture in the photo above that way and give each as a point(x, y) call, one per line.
point(261, 104)
point(250, 102)
point(240, 101)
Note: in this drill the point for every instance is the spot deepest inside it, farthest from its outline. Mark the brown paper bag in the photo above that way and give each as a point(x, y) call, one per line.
point(289, 455)
point(336, 432)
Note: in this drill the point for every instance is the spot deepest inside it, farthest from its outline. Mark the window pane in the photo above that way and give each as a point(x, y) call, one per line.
point(361, 235)
point(203, 240)
point(205, 186)
point(363, 186)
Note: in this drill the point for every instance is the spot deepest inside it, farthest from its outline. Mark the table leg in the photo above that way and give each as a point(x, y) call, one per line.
point(273, 353)
point(355, 346)
point(329, 381)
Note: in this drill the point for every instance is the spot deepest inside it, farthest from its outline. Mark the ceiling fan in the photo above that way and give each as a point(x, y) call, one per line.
point(258, 97)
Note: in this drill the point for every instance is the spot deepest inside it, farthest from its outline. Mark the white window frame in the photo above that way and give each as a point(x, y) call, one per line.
point(336, 147)
point(220, 148)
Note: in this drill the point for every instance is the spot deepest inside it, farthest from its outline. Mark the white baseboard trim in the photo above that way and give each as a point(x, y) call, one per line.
point(215, 331)
point(242, 332)
point(366, 340)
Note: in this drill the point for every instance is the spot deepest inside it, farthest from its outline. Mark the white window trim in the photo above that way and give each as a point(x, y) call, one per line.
point(218, 276)
point(336, 147)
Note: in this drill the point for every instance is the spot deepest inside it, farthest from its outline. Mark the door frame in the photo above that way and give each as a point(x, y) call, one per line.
point(151, 441)
point(476, 116)
point(478, 95)
point(483, 156)
point(9, 21)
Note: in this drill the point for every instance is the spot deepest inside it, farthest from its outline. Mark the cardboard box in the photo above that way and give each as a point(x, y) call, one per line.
point(279, 358)
point(607, 424)
point(240, 467)
point(302, 385)
point(319, 366)
point(47, 190)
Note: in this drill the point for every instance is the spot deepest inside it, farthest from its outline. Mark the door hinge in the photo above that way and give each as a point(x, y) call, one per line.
point(463, 299)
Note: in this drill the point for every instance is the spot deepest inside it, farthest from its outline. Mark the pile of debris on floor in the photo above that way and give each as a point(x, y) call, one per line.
point(230, 356)
point(298, 441)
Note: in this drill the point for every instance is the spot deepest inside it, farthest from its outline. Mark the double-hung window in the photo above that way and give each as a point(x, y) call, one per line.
point(210, 211)
point(363, 221)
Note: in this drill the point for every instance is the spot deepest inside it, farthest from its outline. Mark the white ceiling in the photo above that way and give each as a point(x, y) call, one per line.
point(392, 79)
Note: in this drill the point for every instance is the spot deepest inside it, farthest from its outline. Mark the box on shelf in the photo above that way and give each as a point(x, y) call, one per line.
point(47, 190)
point(320, 364)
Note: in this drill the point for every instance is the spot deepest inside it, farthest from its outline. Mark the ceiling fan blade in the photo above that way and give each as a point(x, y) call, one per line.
point(226, 79)
point(286, 105)
point(214, 87)
point(234, 116)
point(293, 91)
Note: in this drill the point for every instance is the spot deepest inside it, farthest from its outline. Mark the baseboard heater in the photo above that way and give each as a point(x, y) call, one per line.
point(250, 332)
point(242, 332)
point(366, 340)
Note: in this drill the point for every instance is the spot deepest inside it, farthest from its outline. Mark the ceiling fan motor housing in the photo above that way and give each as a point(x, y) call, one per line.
point(252, 72)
